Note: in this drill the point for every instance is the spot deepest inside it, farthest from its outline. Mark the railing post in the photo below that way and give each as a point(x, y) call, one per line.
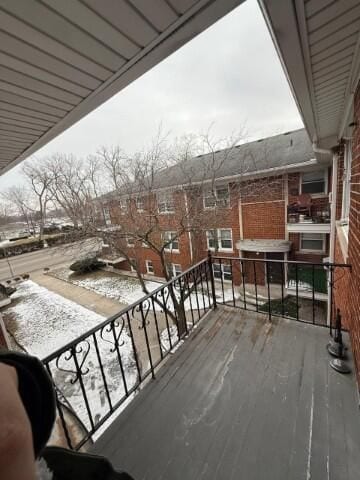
point(212, 282)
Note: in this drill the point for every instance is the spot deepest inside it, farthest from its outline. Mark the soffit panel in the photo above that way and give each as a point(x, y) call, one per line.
point(59, 60)
point(327, 69)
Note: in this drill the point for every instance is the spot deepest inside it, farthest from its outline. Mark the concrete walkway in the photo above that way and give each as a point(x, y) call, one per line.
point(88, 299)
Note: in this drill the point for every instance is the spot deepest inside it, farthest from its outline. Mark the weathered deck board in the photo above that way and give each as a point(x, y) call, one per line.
point(242, 398)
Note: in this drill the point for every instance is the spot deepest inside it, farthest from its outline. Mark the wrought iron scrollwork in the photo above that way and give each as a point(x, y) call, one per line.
point(111, 333)
point(143, 308)
point(78, 354)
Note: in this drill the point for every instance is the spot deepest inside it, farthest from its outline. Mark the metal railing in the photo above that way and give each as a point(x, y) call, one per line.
point(98, 371)
point(291, 289)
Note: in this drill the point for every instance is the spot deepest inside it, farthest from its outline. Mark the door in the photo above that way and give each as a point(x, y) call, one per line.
point(274, 269)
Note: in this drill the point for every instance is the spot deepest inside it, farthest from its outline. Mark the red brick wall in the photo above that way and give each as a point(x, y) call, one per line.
point(347, 291)
point(264, 220)
point(353, 298)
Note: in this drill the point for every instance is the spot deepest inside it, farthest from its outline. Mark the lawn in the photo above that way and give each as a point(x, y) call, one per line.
point(307, 278)
point(43, 321)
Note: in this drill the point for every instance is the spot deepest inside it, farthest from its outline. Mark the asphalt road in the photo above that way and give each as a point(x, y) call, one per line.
point(48, 257)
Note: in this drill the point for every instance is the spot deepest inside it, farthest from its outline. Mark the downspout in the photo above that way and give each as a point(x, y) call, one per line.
point(332, 224)
point(333, 207)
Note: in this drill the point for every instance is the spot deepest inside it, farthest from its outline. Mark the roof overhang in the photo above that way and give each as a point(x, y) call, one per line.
point(260, 245)
point(61, 60)
point(318, 43)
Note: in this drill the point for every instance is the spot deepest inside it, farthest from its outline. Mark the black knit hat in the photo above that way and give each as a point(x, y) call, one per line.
point(37, 394)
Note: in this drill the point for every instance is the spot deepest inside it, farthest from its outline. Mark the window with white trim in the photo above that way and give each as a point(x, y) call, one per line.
point(222, 271)
point(165, 202)
point(130, 242)
point(173, 269)
point(219, 239)
point(140, 204)
point(218, 196)
point(314, 182)
point(144, 244)
point(345, 207)
point(172, 241)
point(107, 217)
point(312, 242)
point(149, 267)
point(123, 204)
point(133, 264)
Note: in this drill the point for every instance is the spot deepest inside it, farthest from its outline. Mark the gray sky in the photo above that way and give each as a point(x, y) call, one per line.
point(227, 77)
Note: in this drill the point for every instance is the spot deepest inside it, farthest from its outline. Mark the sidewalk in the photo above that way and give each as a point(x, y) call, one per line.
point(93, 301)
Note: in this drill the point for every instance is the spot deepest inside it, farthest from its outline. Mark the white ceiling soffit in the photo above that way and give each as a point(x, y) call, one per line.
point(318, 42)
point(59, 60)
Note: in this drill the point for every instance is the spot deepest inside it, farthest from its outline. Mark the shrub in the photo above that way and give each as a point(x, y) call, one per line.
point(87, 265)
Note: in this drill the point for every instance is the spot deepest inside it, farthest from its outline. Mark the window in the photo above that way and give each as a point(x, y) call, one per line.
point(222, 272)
point(130, 242)
point(133, 264)
point(346, 182)
point(314, 182)
point(220, 239)
point(165, 202)
point(173, 269)
point(145, 245)
point(170, 238)
point(139, 204)
point(107, 217)
point(217, 197)
point(149, 267)
point(123, 205)
point(313, 242)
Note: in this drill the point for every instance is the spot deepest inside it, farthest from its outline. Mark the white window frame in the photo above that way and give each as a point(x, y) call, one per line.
point(107, 216)
point(223, 272)
point(132, 268)
point(140, 204)
point(218, 202)
point(312, 250)
point(345, 206)
point(149, 267)
point(326, 186)
point(170, 248)
point(217, 232)
point(130, 244)
point(144, 244)
point(172, 268)
point(165, 203)
point(123, 206)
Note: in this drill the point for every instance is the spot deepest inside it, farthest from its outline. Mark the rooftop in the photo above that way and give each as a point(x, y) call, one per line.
point(242, 398)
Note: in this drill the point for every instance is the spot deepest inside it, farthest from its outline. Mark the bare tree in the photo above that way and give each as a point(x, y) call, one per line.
point(71, 188)
point(112, 159)
point(39, 180)
point(23, 203)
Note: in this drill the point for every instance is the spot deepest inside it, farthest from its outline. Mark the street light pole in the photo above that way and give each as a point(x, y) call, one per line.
point(9, 264)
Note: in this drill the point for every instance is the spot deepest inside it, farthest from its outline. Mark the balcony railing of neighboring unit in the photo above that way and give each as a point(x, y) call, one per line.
point(96, 373)
point(295, 290)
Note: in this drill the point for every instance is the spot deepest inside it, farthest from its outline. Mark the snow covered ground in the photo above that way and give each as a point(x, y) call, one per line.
point(127, 290)
point(43, 321)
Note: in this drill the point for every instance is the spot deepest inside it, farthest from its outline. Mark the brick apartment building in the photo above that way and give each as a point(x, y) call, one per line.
point(271, 199)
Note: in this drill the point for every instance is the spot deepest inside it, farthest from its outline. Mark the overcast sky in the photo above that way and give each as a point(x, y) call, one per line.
point(227, 77)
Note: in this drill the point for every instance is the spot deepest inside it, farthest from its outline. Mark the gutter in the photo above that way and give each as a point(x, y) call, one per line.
point(295, 167)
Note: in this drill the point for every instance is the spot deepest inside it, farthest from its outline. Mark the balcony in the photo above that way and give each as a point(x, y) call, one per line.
point(219, 386)
point(308, 224)
point(308, 215)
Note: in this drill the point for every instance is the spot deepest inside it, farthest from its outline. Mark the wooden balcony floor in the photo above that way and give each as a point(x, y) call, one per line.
point(242, 399)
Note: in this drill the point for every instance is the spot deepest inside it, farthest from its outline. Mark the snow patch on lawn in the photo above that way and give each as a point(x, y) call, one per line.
point(45, 321)
point(124, 290)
